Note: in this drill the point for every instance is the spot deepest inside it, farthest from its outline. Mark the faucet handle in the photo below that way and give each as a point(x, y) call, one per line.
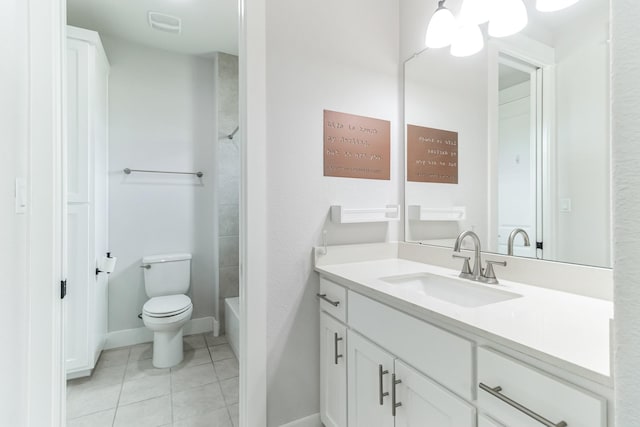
point(489, 276)
point(466, 268)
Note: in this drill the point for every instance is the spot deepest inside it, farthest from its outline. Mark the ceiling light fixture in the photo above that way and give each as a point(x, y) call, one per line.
point(467, 41)
point(475, 12)
point(441, 28)
point(553, 5)
point(507, 18)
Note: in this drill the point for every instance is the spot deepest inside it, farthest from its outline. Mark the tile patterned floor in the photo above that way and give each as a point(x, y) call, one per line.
point(126, 390)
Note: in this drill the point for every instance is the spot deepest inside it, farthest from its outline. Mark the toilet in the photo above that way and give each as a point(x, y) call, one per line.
point(166, 281)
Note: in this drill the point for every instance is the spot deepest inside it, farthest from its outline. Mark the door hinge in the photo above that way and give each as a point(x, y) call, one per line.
point(539, 245)
point(63, 289)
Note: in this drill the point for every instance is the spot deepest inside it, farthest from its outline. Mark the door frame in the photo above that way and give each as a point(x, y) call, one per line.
point(542, 56)
point(46, 381)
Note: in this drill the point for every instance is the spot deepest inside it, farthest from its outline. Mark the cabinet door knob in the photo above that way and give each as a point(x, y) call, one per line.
point(324, 297)
point(495, 392)
point(336, 356)
point(394, 403)
point(382, 393)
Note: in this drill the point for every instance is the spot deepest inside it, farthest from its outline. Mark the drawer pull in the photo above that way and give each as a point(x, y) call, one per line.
point(495, 392)
point(394, 403)
point(324, 297)
point(336, 356)
point(381, 373)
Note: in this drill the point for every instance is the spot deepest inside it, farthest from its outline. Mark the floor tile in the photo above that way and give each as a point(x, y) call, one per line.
point(88, 400)
point(230, 390)
point(211, 340)
point(234, 413)
point(221, 352)
point(99, 419)
point(151, 413)
point(114, 357)
point(99, 377)
point(141, 352)
point(226, 369)
point(195, 357)
point(197, 401)
point(192, 342)
point(217, 418)
point(145, 388)
point(194, 376)
point(143, 368)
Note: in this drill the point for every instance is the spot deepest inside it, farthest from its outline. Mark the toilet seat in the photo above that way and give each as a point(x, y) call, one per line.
point(166, 306)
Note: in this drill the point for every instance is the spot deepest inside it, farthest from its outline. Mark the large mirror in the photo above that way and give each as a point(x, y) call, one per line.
point(515, 138)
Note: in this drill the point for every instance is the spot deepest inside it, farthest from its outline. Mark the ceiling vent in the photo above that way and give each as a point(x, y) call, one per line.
point(164, 22)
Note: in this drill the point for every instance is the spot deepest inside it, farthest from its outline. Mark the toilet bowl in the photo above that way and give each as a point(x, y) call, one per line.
point(166, 281)
point(166, 316)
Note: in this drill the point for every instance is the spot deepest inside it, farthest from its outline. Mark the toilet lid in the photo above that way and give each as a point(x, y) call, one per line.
point(167, 305)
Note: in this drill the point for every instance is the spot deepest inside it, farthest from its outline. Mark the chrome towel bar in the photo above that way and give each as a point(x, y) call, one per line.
point(495, 391)
point(128, 172)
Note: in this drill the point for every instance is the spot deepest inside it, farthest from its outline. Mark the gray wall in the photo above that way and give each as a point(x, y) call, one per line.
point(228, 178)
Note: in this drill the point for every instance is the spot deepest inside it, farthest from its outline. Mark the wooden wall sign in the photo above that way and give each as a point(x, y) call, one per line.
point(432, 155)
point(356, 146)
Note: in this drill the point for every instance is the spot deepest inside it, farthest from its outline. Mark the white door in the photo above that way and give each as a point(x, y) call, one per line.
point(369, 385)
point(79, 280)
point(333, 372)
point(425, 403)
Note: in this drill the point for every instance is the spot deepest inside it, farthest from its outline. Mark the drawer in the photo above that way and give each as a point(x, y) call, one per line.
point(333, 299)
point(551, 398)
point(484, 421)
point(444, 357)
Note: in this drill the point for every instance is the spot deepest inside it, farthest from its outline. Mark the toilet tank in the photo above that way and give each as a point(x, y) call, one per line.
point(167, 274)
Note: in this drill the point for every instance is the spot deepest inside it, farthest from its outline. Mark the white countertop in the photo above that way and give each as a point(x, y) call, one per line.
point(567, 330)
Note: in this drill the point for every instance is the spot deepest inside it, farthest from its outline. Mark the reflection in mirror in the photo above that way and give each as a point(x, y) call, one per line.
point(532, 116)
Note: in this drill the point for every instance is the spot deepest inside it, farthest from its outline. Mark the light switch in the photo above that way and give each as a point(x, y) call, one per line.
point(565, 205)
point(21, 196)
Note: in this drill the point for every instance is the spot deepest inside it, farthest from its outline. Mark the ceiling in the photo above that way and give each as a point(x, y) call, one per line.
point(207, 25)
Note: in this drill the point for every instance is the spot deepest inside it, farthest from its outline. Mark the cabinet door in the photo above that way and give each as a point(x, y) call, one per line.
point(79, 280)
point(333, 372)
point(78, 125)
point(369, 374)
point(425, 403)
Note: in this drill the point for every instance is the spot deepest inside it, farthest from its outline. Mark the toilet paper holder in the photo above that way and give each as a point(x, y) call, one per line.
point(107, 265)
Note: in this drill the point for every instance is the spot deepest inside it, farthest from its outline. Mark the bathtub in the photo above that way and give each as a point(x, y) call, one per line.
point(232, 323)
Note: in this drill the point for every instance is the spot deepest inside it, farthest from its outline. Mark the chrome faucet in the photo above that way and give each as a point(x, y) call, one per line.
point(512, 237)
point(477, 266)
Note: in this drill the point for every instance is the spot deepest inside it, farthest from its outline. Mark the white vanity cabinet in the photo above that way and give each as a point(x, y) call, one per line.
point(86, 237)
point(333, 371)
point(402, 371)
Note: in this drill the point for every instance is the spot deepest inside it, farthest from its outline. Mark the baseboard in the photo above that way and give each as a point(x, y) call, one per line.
point(128, 337)
point(310, 421)
point(216, 327)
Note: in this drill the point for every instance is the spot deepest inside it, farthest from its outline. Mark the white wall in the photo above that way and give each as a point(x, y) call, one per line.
point(445, 92)
point(626, 197)
point(13, 233)
point(583, 148)
point(162, 115)
point(333, 55)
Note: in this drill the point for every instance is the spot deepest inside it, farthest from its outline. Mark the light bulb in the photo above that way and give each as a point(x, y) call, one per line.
point(467, 41)
point(441, 28)
point(507, 17)
point(553, 5)
point(475, 12)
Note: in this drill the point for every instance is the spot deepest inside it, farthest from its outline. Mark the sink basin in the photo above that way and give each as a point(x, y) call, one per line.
point(454, 291)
